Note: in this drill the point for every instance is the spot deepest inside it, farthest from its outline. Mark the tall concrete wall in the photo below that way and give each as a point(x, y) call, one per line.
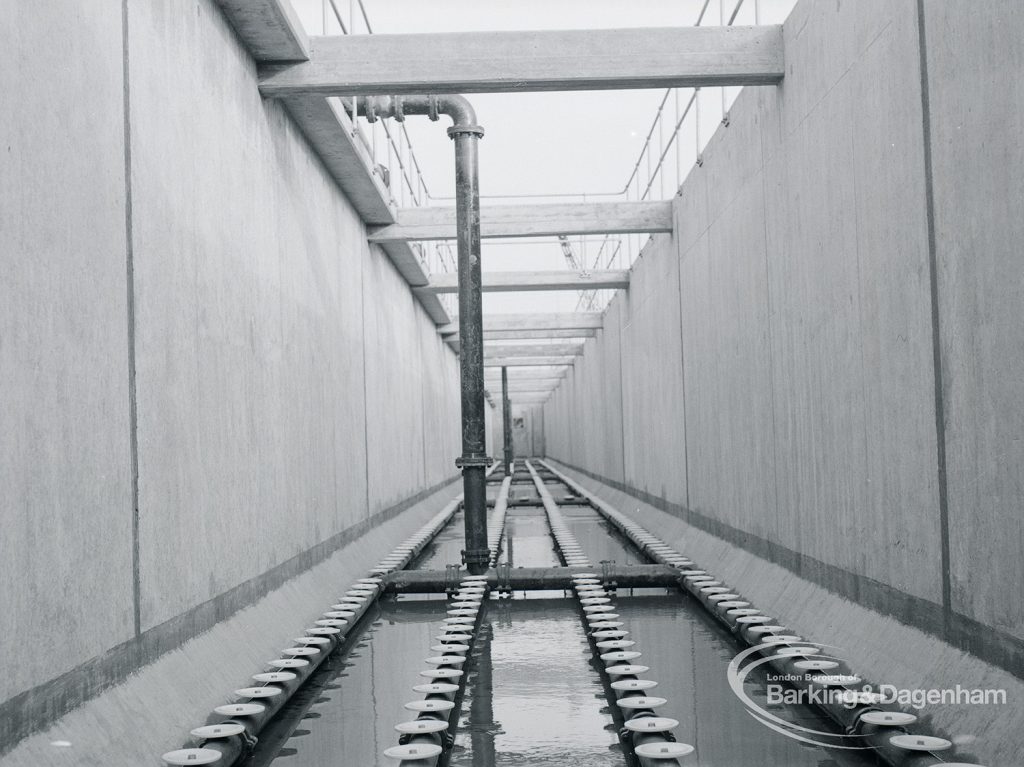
point(824, 365)
point(210, 381)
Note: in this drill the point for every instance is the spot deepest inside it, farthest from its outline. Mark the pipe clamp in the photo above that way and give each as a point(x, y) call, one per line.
point(476, 556)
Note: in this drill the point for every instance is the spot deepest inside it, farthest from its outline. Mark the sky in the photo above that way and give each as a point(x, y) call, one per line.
point(549, 143)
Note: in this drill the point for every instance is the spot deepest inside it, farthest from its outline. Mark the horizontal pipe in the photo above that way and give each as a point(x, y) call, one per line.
point(534, 578)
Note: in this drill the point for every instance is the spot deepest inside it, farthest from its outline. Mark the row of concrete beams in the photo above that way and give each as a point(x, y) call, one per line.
point(302, 72)
point(507, 221)
point(535, 370)
point(525, 384)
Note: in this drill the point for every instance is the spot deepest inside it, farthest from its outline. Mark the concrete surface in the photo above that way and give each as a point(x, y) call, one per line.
point(65, 458)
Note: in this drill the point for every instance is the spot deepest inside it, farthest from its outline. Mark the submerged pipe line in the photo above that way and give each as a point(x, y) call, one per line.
point(424, 740)
point(535, 578)
point(497, 529)
point(857, 714)
point(466, 133)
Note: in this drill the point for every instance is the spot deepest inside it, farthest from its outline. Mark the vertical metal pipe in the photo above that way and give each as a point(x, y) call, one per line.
point(473, 461)
point(506, 420)
point(471, 347)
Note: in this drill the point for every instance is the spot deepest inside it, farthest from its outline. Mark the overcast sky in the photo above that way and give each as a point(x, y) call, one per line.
point(544, 143)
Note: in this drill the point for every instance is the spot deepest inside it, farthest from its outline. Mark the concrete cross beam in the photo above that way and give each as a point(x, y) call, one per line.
point(500, 362)
point(535, 380)
point(533, 350)
point(526, 374)
point(557, 60)
point(526, 335)
point(513, 335)
point(539, 321)
point(540, 220)
point(507, 282)
point(525, 390)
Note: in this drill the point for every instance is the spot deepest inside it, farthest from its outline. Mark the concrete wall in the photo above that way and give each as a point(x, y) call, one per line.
point(824, 366)
point(527, 431)
point(210, 381)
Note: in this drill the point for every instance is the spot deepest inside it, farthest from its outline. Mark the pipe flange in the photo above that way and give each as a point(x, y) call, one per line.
point(465, 130)
point(469, 461)
point(397, 109)
point(432, 112)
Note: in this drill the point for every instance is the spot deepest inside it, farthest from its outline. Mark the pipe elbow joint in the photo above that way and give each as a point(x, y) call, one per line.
point(456, 107)
point(462, 113)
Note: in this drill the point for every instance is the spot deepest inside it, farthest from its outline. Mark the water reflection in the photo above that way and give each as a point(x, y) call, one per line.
point(546, 704)
point(446, 547)
point(527, 541)
point(599, 539)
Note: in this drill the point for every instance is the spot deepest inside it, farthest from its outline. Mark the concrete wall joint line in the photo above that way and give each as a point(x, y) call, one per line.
point(933, 277)
point(677, 254)
point(771, 350)
point(133, 418)
point(366, 425)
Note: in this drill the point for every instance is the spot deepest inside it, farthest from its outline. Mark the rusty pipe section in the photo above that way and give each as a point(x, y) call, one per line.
point(466, 133)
